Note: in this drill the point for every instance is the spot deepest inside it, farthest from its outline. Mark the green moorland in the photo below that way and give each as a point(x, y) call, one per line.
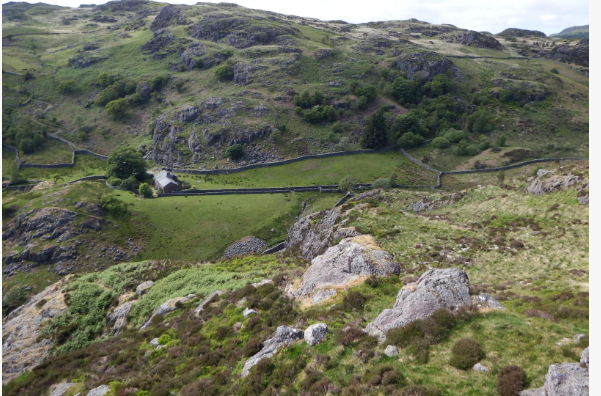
point(542, 285)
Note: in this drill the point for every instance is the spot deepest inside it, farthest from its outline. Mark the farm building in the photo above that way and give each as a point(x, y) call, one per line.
point(166, 182)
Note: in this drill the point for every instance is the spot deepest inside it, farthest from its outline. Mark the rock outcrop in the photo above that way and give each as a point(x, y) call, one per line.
point(169, 15)
point(22, 348)
point(99, 391)
point(352, 260)
point(426, 65)
point(143, 287)
point(546, 182)
point(437, 288)
point(577, 54)
point(474, 39)
point(425, 204)
point(565, 379)
point(161, 39)
point(60, 389)
point(246, 245)
point(83, 61)
point(316, 333)
point(198, 310)
point(311, 235)
point(243, 73)
point(284, 335)
point(515, 32)
point(117, 319)
point(166, 307)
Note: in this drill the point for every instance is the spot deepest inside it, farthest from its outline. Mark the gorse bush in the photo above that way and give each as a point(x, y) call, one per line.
point(466, 353)
point(235, 152)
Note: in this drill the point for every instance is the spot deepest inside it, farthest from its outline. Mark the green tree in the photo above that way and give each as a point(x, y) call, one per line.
point(480, 121)
point(235, 152)
point(346, 184)
point(124, 162)
point(117, 108)
point(405, 91)
point(409, 123)
point(501, 140)
point(409, 139)
point(440, 143)
point(376, 131)
point(145, 190)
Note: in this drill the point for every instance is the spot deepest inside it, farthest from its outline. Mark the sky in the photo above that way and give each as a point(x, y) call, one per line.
point(549, 16)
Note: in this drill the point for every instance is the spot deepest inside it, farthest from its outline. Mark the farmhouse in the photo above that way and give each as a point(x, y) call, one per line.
point(166, 182)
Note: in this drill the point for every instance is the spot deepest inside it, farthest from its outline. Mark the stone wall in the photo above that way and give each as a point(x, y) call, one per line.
point(88, 178)
point(277, 163)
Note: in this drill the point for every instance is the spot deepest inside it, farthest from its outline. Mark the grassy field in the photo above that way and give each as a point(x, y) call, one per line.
point(8, 161)
point(53, 152)
point(364, 168)
point(200, 228)
point(85, 165)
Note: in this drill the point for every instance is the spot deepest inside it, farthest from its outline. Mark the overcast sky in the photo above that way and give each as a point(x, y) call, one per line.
point(549, 16)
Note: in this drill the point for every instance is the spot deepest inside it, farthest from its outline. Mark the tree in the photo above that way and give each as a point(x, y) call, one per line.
point(375, 134)
point(501, 140)
point(480, 121)
point(408, 123)
point(405, 91)
point(346, 184)
point(117, 108)
point(409, 139)
point(235, 152)
point(145, 190)
point(124, 162)
point(440, 143)
point(112, 204)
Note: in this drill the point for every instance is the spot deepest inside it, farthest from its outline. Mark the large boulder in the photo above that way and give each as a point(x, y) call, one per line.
point(352, 260)
point(198, 310)
point(515, 32)
point(546, 182)
point(565, 379)
point(474, 39)
point(60, 389)
point(169, 15)
point(23, 348)
point(311, 235)
point(117, 319)
point(246, 245)
point(437, 288)
point(168, 306)
point(427, 204)
point(284, 335)
point(314, 334)
point(99, 391)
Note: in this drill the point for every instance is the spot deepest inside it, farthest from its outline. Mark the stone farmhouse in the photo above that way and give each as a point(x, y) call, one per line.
point(166, 182)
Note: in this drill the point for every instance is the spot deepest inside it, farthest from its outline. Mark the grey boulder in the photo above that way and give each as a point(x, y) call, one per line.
point(284, 335)
point(206, 301)
point(166, 307)
point(143, 287)
point(391, 351)
point(99, 391)
point(314, 334)
point(351, 261)
point(437, 288)
point(546, 182)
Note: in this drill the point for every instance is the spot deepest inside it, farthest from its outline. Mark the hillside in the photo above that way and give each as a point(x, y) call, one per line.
point(574, 32)
point(389, 208)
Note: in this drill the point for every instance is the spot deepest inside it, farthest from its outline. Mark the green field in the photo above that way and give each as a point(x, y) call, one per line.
point(85, 165)
point(364, 168)
point(201, 227)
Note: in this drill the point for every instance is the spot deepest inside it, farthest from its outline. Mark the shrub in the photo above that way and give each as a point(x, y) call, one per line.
point(145, 190)
point(375, 133)
point(124, 162)
point(466, 353)
point(235, 152)
point(67, 86)
point(117, 108)
point(409, 139)
point(383, 375)
point(179, 86)
point(15, 176)
point(114, 181)
point(554, 70)
point(351, 335)
point(381, 183)
point(454, 135)
point(501, 140)
point(418, 390)
point(372, 281)
point(225, 73)
point(346, 184)
point(440, 143)
point(583, 343)
point(354, 301)
point(158, 82)
point(13, 299)
point(511, 380)
point(128, 183)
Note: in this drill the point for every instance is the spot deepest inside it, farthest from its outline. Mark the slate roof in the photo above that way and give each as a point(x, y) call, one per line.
point(164, 178)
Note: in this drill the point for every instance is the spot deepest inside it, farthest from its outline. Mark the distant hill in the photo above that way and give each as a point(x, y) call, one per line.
point(578, 32)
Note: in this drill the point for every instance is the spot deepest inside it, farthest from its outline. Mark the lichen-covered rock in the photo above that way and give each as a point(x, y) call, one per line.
point(166, 138)
point(480, 368)
point(60, 389)
point(99, 391)
point(243, 73)
point(351, 261)
point(143, 287)
point(584, 357)
point(23, 348)
point(311, 235)
point(190, 56)
point(81, 61)
point(514, 32)
point(168, 306)
point(391, 351)
point(426, 65)
point(248, 311)
point(486, 300)
point(206, 301)
point(426, 204)
point(246, 245)
point(117, 319)
point(314, 334)
point(323, 53)
point(284, 335)
point(566, 379)
point(546, 182)
point(437, 288)
point(187, 113)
